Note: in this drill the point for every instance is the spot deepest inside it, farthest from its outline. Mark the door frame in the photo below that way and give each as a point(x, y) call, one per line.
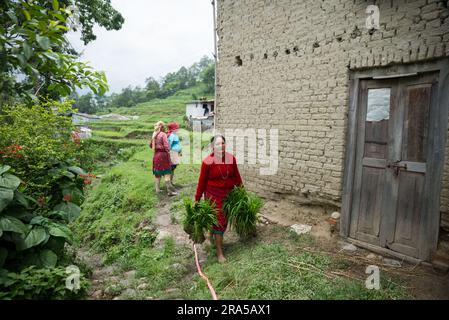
point(435, 164)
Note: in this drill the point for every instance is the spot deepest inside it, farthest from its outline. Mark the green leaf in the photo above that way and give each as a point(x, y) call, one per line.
point(6, 196)
point(72, 210)
point(4, 169)
point(27, 51)
point(8, 223)
point(55, 5)
point(9, 181)
point(76, 170)
point(59, 214)
point(27, 14)
point(22, 199)
point(51, 55)
point(60, 230)
point(43, 42)
point(48, 258)
point(40, 220)
point(68, 174)
point(36, 236)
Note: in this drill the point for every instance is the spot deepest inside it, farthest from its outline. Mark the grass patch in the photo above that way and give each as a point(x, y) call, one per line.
point(273, 271)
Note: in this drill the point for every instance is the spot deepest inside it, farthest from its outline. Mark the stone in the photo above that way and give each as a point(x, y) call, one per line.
point(171, 290)
point(349, 247)
point(97, 294)
point(112, 289)
point(335, 215)
point(129, 292)
point(125, 282)
point(178, 267)
point(301, 228)
point(391, 262)
point(142, 286)
point(162, 234)
point(130, 274)
point(371, 256)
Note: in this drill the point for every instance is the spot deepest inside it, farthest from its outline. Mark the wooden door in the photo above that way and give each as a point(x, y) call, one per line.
point(393, 146)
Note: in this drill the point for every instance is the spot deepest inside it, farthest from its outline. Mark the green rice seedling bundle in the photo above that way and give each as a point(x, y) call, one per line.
point(199, 218)
point(242, 211)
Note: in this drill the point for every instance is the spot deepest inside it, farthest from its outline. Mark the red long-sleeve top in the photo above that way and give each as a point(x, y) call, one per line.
point(223, 175)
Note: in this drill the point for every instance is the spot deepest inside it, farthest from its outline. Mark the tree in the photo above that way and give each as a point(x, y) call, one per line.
point(208, 78)
point(152, 88)
point(93, 12)
point(36, 60)
point(86, 104)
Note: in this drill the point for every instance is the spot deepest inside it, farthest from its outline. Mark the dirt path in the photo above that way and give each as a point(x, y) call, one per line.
point(110, 282)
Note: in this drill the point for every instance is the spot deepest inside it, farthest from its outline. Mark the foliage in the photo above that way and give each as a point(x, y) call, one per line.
point(91, 12)
point(114, 209)
point(199, 217)
point(38, 284)
point(42, 139)
point(199, 75)
point(33, 232)
point(33, 45)
point(242, 209)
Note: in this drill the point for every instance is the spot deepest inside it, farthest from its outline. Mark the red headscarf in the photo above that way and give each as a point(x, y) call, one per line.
point(172, 126)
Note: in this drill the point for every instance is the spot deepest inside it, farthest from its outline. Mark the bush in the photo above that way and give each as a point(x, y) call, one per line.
point(41, 284)
point(33, 232)
point(35, 138)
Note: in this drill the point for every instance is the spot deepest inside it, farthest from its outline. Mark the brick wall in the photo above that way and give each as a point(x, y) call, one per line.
point(295, 61)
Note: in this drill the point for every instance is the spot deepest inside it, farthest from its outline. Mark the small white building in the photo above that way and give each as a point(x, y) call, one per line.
point(200, 109)
point(83, 117)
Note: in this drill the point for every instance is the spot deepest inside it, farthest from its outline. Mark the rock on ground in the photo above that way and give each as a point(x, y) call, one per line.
point(301, 228)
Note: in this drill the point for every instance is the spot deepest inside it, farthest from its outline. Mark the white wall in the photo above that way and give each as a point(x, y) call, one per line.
point(196, 109)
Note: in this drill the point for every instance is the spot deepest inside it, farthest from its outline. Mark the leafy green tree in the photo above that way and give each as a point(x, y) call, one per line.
point(86, 104)
point(152, 88)
point(36, 60)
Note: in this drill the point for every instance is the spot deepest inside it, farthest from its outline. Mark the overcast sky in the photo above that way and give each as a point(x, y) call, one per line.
point(158, 36)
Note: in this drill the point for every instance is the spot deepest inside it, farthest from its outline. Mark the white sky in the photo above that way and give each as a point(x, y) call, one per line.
point(157, 37)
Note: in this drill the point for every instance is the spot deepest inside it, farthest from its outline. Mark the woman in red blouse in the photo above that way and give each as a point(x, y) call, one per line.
point(161, 158)
point(219, 174)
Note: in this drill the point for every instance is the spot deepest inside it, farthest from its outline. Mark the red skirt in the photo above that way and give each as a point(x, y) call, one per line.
point(161, 163)
point(218, 196)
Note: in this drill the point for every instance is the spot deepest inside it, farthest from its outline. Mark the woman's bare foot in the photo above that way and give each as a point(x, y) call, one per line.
point(221, 259)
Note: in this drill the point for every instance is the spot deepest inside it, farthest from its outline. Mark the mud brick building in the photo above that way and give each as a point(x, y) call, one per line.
point(362, 112)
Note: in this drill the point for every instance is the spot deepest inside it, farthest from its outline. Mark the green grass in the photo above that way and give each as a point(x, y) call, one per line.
point(280, 270)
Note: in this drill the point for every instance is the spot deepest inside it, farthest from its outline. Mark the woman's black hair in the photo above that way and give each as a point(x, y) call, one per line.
point(212, 140)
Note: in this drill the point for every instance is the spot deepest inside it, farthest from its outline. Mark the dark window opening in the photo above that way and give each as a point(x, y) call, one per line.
point(238, 61)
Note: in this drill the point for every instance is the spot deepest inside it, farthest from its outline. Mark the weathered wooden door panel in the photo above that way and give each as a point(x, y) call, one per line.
point(376, 101)
point(410, 167)
point(391, 162)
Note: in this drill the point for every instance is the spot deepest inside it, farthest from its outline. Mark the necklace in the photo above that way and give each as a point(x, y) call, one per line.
point(227, 172)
